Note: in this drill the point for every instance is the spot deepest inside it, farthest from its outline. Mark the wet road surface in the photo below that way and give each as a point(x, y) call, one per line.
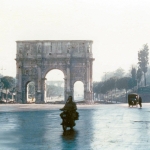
point(100, 127)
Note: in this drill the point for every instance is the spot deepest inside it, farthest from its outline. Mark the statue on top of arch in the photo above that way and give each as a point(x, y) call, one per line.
point(39, 49)
point(27, 46)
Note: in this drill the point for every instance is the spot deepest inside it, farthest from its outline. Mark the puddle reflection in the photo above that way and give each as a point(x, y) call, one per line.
point(70, 134)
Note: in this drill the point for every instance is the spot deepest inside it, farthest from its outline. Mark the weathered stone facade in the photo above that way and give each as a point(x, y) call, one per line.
point(35, 59)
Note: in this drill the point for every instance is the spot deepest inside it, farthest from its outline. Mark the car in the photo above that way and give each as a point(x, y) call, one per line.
point(133, 99)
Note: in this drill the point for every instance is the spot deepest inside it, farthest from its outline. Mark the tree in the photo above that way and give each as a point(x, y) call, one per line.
point(119, 73)
point(134, 76)
point(111, 84)
point(107, 75)
point(148, 76)
point(9, 82)
point(133, 73)
point(143, 60)
point(125, 83)
point(139, 76)
point(108, 85)
point(96, 88)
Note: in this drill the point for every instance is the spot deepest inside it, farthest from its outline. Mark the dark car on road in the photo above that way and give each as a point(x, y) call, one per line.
point(133, 99)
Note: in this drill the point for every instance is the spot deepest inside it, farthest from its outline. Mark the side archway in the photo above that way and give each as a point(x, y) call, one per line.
point(30, 92)
point(78, 91)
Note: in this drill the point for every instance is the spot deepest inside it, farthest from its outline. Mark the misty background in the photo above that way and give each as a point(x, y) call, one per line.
point(118, 28)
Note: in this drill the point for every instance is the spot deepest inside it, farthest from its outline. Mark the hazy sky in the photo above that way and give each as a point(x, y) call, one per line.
point(118, 28)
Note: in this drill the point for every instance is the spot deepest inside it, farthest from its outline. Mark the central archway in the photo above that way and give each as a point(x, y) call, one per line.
point(54, 86)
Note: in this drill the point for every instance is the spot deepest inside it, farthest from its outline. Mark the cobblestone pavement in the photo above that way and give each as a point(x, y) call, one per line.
point(100, 127)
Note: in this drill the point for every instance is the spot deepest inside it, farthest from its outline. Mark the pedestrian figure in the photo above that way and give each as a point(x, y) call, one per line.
point(140, 101)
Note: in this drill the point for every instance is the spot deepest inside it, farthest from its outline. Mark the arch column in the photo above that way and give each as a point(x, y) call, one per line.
point(65, 87)
point(72, 89)
point(91, 79)
point(85, 94)
point(68, 90)
point(87, 83)
point(39, 92)
point(43, 90)
point(24, 92)
point(36, 89)
point(19, 84)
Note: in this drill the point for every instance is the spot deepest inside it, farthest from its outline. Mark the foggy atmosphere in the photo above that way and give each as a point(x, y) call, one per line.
point(74, 75)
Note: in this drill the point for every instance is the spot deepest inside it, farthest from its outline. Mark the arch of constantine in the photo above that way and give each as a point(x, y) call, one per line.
point(34, 59)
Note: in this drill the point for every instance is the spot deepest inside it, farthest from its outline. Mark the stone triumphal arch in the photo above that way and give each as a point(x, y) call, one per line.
point(34, 59)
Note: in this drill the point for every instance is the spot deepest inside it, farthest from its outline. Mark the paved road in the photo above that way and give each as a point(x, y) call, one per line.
point(100, 127)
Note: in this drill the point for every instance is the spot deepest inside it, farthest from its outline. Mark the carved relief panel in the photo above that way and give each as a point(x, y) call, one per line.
point(29, 71)
point(78, 72)
point(47, 48)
